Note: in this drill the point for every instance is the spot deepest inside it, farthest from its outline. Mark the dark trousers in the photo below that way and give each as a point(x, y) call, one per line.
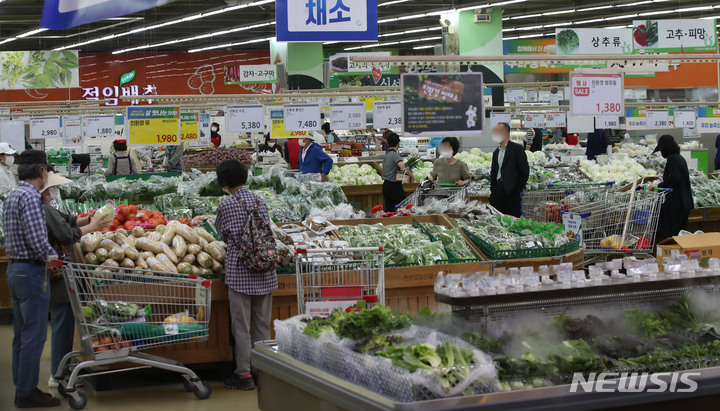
point(394, 194)
point(505, 203)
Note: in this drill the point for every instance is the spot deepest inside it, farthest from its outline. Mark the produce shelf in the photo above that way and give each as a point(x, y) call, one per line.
point(494, 254)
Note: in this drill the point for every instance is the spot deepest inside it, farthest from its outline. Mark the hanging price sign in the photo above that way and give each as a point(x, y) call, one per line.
point(348, 116)
point(607, 122)
point(596, 94)
point(45, 127)
point(685, 118)
point(499, 117)
point(189, 126)
point(97, 126)
point(555, 119)
point(515, 94)
point(72, 131)
point(204, 129)
point(159, 126)
point(657, 119)
point(302, 117)
point(245, 119)
point(534, 120)
point(387, 115)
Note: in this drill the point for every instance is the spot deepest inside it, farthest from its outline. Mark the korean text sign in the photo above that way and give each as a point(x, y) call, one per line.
point(596, 94)
point(326, 20)
point(153, 125)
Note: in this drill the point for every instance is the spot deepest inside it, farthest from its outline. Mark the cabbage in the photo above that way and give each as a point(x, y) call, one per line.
point(105, 211)
point(354, 174)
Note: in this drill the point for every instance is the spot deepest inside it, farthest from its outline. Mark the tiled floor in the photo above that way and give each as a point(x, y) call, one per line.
point(148, 394)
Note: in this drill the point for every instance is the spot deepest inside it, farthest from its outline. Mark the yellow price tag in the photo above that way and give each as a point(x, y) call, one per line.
point(158, 126)
point(278, 126)
point(369, 101)
point(189, 127)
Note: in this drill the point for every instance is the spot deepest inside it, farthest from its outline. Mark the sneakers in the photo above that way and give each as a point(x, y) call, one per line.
point(236, 382)
point(52, 382)
point(37, 399)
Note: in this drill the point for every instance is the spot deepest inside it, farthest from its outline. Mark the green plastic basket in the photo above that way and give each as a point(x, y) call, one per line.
point(522, 253)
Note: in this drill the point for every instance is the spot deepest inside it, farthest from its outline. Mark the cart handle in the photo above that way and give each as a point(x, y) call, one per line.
point(607, 183)
point(57, 263)
point(338, 249)
point(665, 190)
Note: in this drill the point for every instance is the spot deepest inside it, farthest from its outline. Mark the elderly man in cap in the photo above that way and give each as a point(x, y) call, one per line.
point(28, 249)
point(8, 178)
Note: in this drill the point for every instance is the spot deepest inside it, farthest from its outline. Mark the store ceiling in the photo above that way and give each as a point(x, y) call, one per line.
point(404, 24)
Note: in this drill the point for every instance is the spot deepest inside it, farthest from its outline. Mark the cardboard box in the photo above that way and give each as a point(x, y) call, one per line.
point(702, 246)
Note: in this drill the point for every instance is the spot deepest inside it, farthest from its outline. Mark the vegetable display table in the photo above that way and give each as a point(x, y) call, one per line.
point(140, 176)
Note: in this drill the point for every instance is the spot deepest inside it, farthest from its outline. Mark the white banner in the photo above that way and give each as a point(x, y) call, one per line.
point(72, 131)
point(100, 125)
point(657, 118)
point(685, 118)
point(555, 119)
point(534, 120)
point(245, 119)
point(594, 41)
point(607, 122)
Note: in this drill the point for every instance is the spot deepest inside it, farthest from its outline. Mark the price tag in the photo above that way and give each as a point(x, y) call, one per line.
point(245, 119)
point(596, 94)
point(45, 127)
point(544, 96)
point(171, 329)
point(515, 94)
point(189, 126)
point(531, 95)
point(657, 118)
point(73, 131)
point(258, 73)
point(98, 126)
point(302, 117)
point(204, 128)
point(607, 122)
point(555, 119)
point(159, 126)
point(387, 115)
point(534, 120)
point(348, 116)
point(497, 117)
point(685, 118)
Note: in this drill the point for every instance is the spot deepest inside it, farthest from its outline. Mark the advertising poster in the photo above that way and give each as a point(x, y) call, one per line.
point(442, 104)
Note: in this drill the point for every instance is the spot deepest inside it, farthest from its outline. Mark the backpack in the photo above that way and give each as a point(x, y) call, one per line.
point(123, 158)
point(256, 245)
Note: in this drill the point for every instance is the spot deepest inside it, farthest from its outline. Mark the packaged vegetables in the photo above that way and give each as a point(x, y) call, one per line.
point(354, 174)
point(509, 233)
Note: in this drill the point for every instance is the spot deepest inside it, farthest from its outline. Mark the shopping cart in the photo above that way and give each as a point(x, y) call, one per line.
point(428, 189)
point(120, 312)
point(546, 206)
point(329, 278)
point(624, 223)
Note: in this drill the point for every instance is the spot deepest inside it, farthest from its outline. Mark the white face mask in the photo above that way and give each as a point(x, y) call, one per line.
point(10, 160)
point(271, 144)
point(446, 154)
point(496, 138)
point(213, 129)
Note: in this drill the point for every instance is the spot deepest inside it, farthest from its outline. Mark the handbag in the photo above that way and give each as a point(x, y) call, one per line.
point(54, 273)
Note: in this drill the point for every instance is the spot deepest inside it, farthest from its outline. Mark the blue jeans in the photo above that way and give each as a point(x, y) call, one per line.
point(30, 308)
point(62, 323)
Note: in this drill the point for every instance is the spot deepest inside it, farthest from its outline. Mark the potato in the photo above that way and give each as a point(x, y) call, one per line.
point(168, 234)
point(155, 236)
point(131, 240)
point(110, 263)
point(121, 231)
point(121, 239)
point(138, 232)
point(141, 263)
point(147, 244)
point(193, 249)
point(91, 258)
point(160, 228)
point(195, 270)
point(204, 234)
point(217, 267)
point(130, 251)
point(108, 244)
point(101, 254)
point(205, 271)
point(184, 268)
point(222, 244)
point(90, 242)
point(169, 253)
point(116, 254)
point(146, 254)
point(110, 235)
point(127, 263)
point(165, 261)
point(187, 233)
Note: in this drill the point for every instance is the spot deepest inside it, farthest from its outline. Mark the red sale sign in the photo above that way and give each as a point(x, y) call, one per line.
point(597, 94)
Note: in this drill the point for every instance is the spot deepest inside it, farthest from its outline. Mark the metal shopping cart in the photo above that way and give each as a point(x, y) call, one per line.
point(428, 189)
point(624, 223)
point(329, 278)
point(546, 206)
point(120, 312)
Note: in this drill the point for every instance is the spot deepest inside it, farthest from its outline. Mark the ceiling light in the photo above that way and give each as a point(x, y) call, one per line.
point(504, 3)
point(527, 16)
point(414, 31)
point(30, 33)
point(567, 23)
point(8, 40)
point(653, 13)
point(530, 36)
point(709, 17)
point(624, 16)
point(423, 47)
point(392, 2)
point(637, 3)
point(226, 45)
point(700, 8)
point(596, 8)
point(550, 13)
point(617, 27)
point(511, 38)
point(530, 28)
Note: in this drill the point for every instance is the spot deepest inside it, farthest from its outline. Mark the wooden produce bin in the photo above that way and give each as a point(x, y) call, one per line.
point(706, 219)
point(371, 195)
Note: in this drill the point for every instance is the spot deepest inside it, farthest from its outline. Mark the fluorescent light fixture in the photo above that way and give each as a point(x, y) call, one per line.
point(530, 36)
point(423, 47)
point(699, 8)
point(567, 23)
point(618, 27)
point(505, 3)
point(414, 31)
point(361, 47)
point(330, 42)
point(226, 45)
point(596, 8)
point(709, 17)
point(637, 3)
point(503, 19)
point(511, 38)
point(527, 16)
point(30, 33)
point(530, 27)
point(8, 40)
point(392, 2)
point(654, 13)
point(550, 13)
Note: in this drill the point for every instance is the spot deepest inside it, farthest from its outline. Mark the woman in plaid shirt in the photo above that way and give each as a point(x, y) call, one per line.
point(250, 293)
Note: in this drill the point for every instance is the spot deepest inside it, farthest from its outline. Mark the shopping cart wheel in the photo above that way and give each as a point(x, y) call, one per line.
point(202, 393)
point(61, 388)
point(189, 387)
point(77, 401)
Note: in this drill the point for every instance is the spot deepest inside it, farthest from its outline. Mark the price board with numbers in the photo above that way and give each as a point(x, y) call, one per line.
point(597, 94)
point(555, 119)
point(497, 117)
point(349, 116)
point(45, 127)
point(515, 94)
point(685, 118)
point(153, 126)
point(607, 122)
point(189, 126)
point(534, 120)
point(245, 119)
point(302, 117)
point(657, 118)
point(101, 125)
point(387, 115)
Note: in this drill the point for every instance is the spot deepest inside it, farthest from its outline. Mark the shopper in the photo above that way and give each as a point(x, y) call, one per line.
point(509, 172)
point(8, 179)
point(383, 140)
point(121, 163)
point(393, 165)
point(313, 158)
point(533, 140)
point(678, 203)
point(447, 169)
point(717, 155)
point(596, 143)
point(270, 146)
point(141, 159)
point(63, 231)
point(28, 249)
point(330, 136)
point(82, 161)
point(250, 293)
point(292, 152)
point(215, 138)
point(174, 158)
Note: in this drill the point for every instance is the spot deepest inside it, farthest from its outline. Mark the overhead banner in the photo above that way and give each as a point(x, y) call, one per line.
point(251, 74)
point(45, 127)
point(326, 20)
point(679, 36)
point(709, 119)
point(594, 41)
point(158, 126)
point(27, 70)
point(100, 125)
point(64, 14)
point(442, 104)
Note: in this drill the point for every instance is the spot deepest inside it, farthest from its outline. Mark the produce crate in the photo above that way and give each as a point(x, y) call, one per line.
point(494, 254)
point(140, 176)
point(452, 259)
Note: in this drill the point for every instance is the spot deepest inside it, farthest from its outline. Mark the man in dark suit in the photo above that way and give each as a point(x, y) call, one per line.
point(509, 172)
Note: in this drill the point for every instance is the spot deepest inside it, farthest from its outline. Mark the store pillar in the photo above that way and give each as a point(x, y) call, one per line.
point(301, 62)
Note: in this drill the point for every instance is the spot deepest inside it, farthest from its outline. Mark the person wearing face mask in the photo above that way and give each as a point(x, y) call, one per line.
point(63, 231)
point(509, 172)
point(330, 136)
point(215, 138)
point(393, 165)
point(270, 146)
point(8, 179)
point(313, 158)
point(447, 169)
point(675, 210)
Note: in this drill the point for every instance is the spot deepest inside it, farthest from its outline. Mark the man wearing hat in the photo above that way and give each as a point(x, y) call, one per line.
point(8, 179)
point(28, 249)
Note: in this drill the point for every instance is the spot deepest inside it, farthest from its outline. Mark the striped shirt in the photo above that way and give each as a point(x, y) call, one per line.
point(26, 236)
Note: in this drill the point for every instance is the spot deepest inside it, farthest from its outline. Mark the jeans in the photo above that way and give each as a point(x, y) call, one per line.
point(31, 300)
point(62, 323)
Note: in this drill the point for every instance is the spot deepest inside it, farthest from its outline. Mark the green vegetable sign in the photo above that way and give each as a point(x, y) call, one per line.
point(22, 70)
point(594, 41)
